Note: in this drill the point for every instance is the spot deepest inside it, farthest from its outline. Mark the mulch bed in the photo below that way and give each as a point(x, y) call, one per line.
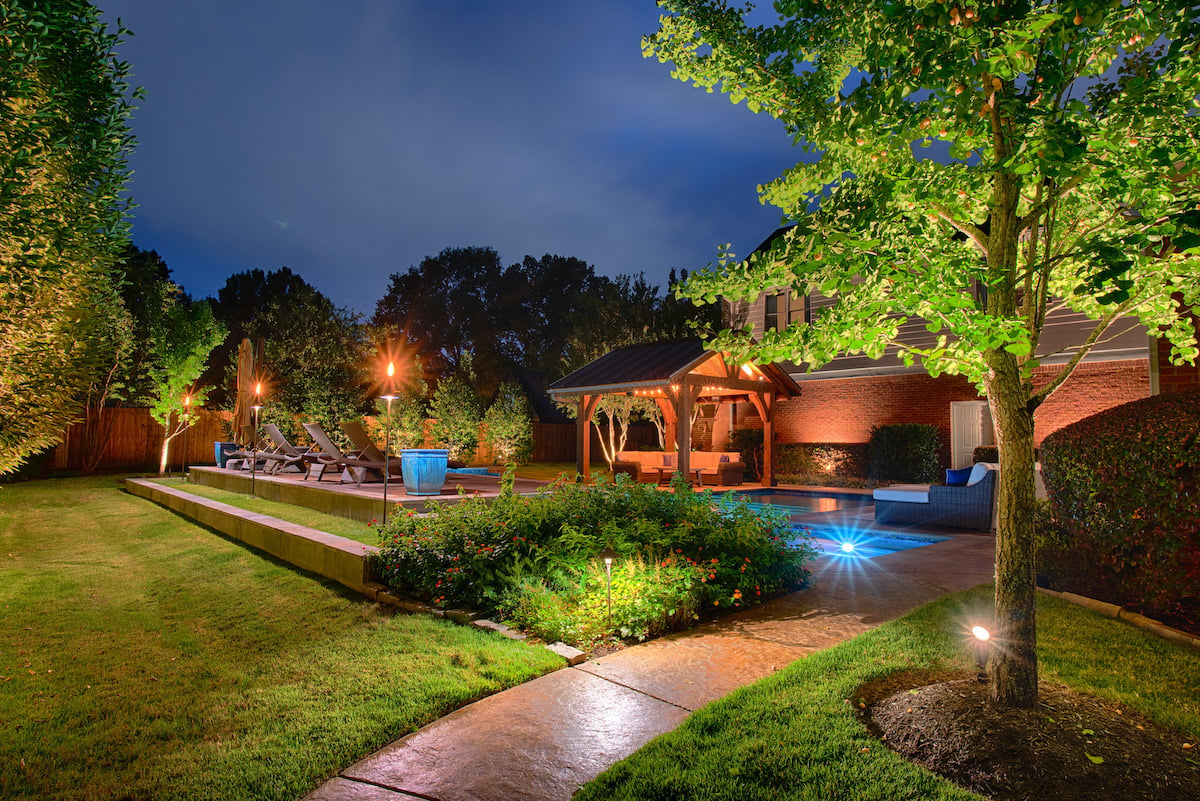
point(1070, 748)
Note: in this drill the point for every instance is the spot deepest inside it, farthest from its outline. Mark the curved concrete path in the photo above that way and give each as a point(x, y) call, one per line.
point(543, 739)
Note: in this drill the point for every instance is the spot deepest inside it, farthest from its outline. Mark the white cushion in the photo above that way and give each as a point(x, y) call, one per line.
point(904, 493)
point(978, 472)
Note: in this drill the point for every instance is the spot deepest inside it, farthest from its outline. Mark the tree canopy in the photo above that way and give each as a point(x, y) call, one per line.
point(976, 166)
point(64, 140)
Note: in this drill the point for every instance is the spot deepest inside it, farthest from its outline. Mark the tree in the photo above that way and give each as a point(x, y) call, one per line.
point(185, 337)
point(450, 306)
point(509, 426)
point(64, 140)
point(456, 414)
point(976, 166)
point(315, 354)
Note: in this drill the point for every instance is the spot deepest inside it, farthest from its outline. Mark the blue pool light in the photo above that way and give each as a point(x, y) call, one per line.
point(847, 547)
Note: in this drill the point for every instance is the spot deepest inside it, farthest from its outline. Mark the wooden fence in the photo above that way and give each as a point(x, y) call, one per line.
point(136, 442)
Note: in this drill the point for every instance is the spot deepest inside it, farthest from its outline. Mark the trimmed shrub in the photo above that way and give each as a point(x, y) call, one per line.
point(905, 452)
point(832, 464)
point(535, 559)
point(1124, 488)
point(986, 453)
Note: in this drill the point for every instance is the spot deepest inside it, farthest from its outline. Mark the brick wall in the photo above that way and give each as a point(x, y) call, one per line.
point(844, 410)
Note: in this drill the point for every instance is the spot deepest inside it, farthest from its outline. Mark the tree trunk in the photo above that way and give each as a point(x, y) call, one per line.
point(1013, 664)
point(162, 458)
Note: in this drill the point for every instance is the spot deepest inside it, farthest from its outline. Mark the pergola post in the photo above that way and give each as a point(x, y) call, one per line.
point(764, 402)
point(669, 422)
point(584, 408)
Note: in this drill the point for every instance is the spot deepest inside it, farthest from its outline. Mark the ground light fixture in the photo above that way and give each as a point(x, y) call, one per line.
point(608, 555)
point(387, 436)
point(982, 644)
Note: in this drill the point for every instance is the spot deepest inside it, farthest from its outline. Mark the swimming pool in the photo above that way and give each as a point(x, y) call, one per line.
point(803, 501)
point(867, 544)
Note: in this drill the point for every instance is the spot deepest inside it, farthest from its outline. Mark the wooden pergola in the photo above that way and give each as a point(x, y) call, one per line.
point(677, 375)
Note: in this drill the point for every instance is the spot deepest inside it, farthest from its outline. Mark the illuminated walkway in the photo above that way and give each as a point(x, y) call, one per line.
point(543, 739)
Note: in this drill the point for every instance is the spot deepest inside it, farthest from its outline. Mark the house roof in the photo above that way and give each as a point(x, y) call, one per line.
point(661, 364)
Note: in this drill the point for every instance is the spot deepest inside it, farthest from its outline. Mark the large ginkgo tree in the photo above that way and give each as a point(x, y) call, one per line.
point(976, 165)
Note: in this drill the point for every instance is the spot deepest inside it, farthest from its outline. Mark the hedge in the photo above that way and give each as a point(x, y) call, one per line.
point(906, 452)
point(1124, 489)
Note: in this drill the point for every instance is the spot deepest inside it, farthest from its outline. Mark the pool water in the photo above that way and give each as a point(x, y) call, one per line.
point(867, 544)
point(803, 501)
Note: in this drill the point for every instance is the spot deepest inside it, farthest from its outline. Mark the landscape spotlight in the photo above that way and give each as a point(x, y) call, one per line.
point(982, 645)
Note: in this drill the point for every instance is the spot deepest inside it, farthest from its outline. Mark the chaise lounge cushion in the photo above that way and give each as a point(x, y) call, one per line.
point(903, 493)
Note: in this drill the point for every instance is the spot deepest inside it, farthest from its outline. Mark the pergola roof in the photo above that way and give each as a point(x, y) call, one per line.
point(664, 365)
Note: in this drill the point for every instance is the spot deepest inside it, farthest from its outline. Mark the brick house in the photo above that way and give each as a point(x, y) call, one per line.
point(842, 401)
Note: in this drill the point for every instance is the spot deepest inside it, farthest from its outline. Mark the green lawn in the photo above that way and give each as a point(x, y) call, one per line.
point(795, 735)
point(330, 524)
point(145, 657)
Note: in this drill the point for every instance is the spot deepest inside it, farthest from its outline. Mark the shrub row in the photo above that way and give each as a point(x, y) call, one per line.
point(1124, 489)
point(535, 559)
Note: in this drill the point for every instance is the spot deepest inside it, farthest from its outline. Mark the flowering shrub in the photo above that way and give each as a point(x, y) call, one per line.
point(536, 558)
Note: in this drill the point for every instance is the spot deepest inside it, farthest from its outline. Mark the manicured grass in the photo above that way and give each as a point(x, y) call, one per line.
point(330, 524)
point(795, 735)
point(142, 656)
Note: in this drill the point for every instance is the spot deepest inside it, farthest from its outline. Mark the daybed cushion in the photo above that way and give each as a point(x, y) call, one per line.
point(903, 493)
point(958, 478)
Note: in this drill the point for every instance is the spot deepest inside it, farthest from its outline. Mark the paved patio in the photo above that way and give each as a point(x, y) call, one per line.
point(543, 739)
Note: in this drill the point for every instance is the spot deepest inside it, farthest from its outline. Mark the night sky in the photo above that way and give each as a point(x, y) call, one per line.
point(350, 140)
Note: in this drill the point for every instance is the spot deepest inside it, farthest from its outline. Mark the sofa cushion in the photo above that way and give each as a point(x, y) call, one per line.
point(903, 493)
point(958, 478)
point(977, 473)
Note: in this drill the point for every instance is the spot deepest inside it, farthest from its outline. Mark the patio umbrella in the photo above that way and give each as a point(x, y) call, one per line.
point(245, 394)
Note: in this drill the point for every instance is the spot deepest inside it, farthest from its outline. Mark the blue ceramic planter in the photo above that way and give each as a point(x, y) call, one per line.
point(424, 470)
point(220, 449)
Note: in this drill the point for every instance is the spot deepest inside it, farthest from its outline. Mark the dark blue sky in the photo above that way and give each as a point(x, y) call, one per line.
point(348, 140)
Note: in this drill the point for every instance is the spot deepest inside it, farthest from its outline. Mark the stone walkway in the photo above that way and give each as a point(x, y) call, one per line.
point(543, 739)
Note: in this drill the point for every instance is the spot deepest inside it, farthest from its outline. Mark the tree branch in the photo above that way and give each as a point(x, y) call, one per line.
point(1093, 339)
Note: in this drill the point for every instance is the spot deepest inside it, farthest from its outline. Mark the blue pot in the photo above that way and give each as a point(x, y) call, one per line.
point(220, 449)
point(424, 470)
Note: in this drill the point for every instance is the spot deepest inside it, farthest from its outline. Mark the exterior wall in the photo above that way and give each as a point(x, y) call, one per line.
point(1172, 378)
point(845, 410)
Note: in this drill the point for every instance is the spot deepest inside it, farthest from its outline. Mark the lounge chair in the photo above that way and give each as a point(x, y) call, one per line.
point(366, 448)
point(352, 467)
point(968, 506)
point(284, 454)
point(240, 459)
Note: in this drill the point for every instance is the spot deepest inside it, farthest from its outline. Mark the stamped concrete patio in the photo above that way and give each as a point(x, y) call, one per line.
point(542, 740)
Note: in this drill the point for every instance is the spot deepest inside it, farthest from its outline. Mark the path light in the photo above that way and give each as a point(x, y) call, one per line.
point(982, 645)
point(608, 555)
point(387, 435)
point(256, 408)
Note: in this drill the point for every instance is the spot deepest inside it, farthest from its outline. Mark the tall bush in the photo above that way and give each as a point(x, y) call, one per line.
point(509, 426)
point(456, 418)
point(1124, 487)
point(905, 452)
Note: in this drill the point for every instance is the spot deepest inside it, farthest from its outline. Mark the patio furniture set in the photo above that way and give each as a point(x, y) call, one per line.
point(324, 457)
point(967, 500)
point(659, 467)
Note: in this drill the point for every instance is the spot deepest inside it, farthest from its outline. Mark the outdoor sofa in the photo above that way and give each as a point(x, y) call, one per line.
point(966, 506)
point(649, 467)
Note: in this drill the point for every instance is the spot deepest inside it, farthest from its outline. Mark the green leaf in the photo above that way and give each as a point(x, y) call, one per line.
point(1096, 760)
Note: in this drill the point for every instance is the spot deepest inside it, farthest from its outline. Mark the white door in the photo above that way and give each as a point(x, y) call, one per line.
point(970, 427)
